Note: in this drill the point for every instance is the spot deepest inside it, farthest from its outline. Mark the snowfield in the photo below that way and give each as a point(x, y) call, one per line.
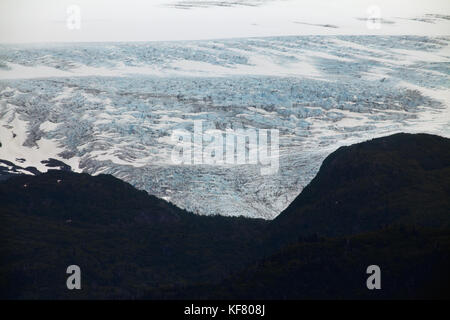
point(112, 107)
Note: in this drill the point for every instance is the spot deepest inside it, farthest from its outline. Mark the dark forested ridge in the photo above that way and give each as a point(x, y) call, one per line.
point(402, 178)
point(414, 264)
point(123, 239)
point(384, 201)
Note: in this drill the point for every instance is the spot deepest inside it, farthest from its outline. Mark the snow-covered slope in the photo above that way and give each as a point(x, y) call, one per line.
point(111, 107)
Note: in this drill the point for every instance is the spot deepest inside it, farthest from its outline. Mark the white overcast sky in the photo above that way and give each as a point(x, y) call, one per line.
point(138, 20)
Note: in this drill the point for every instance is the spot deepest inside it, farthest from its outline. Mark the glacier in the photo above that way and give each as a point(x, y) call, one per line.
point(111, 107)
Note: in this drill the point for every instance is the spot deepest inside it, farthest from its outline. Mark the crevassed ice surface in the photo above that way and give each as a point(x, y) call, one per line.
point(111, 107)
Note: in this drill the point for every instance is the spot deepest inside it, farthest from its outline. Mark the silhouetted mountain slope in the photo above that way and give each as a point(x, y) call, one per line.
point(414, 264)
point(9, 169)
point(101, 199)
point(386, 201)
point(123, 239)
point(403, 178)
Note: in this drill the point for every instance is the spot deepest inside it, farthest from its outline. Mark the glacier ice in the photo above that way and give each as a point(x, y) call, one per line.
point(111, 107)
